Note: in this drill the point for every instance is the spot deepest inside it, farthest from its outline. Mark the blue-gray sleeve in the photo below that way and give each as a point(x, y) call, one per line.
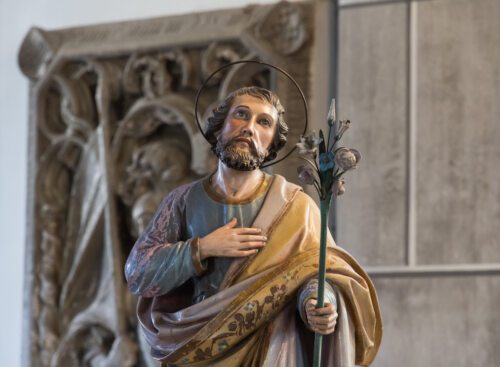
point(161, 258)
point(310, 290)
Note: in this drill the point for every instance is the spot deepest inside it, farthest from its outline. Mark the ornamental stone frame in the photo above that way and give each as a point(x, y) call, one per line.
point(112, 130)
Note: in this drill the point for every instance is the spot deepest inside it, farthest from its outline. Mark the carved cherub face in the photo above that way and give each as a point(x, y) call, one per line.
point(247, 133)
point(159, 161)
point(154, 166)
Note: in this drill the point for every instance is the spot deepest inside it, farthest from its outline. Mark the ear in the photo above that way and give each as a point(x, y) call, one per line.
point(271, 156)
point(217, 134)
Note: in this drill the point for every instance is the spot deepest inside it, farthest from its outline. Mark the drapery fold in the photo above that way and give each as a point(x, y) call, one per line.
point(253, 316)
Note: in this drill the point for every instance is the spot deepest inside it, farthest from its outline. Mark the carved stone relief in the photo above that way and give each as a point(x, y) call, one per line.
point(112, 132)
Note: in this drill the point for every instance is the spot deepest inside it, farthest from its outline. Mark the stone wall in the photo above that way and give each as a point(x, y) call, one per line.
point(421, 82)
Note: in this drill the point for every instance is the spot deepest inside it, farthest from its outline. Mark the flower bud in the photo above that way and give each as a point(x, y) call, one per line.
point(331, 113)
point(338, 187)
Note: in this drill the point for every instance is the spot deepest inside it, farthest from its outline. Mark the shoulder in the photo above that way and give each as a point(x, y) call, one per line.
point(282, 193)
point(295, 190)
point(295, 194)
point(180, 195)
point(281, 183)
point(182, 191)
point(304, 203)
point(306, 199)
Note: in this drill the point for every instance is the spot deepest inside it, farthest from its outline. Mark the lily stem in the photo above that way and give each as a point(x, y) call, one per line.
point(318, 338)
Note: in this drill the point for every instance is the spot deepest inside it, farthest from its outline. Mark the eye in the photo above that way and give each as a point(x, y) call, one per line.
point(241, 113)
point(264, 121)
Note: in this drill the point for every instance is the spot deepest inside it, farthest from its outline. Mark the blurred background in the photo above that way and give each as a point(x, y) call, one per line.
point(420, 81)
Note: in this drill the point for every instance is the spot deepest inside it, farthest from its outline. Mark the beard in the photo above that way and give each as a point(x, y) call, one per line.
point(234, 157)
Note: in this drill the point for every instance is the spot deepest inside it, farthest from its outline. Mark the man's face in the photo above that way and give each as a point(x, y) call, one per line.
point(248, 133)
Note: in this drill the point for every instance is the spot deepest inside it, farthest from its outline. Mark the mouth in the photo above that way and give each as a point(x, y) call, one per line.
point(243, 140)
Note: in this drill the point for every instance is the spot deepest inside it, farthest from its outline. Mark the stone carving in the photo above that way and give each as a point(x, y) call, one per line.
point(113, 132)
point(284, 28)
point(54, 194)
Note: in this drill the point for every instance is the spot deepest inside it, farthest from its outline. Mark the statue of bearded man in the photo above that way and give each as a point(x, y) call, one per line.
point(226, 268)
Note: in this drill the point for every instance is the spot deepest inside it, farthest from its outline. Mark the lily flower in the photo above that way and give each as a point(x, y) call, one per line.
point(343, 126)
point(308, 144)
point(306, 174)
point(346, 158)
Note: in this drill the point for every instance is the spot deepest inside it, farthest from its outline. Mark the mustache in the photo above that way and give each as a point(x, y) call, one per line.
point(251, 143)
point(229, 153)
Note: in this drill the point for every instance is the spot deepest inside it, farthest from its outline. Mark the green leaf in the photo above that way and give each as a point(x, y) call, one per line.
point(322, 145)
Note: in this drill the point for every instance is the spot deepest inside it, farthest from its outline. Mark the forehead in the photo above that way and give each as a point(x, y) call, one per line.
point(257, 105)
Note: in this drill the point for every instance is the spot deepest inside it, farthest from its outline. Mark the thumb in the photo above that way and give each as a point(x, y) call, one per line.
point(232, 223)
point(311, 303)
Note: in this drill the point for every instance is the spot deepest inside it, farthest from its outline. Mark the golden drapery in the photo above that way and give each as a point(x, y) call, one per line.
point(257, 290)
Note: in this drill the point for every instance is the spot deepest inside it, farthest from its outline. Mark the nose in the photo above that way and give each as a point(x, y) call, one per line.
point(249, 127)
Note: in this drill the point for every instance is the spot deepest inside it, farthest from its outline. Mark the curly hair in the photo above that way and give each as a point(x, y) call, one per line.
point(219, 114)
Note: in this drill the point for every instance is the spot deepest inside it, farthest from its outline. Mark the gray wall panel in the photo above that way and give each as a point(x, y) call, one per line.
point(372, 93)
point(440, 322)
point(458, 132)
point(421, 82)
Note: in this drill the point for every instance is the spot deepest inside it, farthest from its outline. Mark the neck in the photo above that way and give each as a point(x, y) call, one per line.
point(236, 184)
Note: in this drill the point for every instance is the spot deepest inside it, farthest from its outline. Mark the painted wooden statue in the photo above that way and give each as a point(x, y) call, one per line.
point(226, 270)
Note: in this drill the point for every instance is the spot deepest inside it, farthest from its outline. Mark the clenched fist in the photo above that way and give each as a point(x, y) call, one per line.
point(321, 320)
point(228, 241)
